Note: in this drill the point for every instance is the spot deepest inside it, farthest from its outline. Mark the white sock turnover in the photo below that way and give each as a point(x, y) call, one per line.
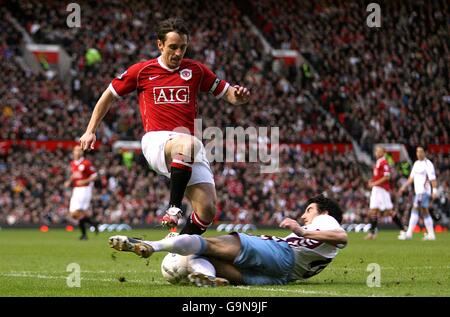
point(202, 265)
point(413, 219)
point(428, 221)
point(183, 244)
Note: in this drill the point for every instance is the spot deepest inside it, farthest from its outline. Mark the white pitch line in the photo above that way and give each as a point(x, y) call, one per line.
point(86, 271)
point(40, 276)
point(392, 268)
point(26, 274)
point(296, 291)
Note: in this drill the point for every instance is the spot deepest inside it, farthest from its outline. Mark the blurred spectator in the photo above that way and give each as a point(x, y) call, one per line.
point(32, 191)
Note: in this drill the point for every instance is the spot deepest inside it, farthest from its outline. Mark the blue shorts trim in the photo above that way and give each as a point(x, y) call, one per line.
point(264, 262)
point(422, 200)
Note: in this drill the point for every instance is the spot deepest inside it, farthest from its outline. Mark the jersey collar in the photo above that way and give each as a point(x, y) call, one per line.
point(161, 63)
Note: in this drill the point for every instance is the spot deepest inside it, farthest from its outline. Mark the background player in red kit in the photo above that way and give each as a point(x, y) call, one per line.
point(82, 179)
point(380, 197)
point(167, 89)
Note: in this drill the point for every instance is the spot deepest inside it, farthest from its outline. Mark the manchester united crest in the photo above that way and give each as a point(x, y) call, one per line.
point(186, 74)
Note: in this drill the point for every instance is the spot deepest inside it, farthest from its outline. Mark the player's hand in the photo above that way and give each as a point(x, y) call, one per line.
point(292, 225)
point(400, 191)
point(87, 141)
point(67, 183)
point(241, 94)
point(434, 195)
point(370, 184)
point(82, 182)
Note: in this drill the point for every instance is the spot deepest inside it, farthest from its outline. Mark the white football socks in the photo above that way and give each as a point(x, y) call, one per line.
point(202, 265)
point(413, 220)
point(183, 244)
point(428, 221)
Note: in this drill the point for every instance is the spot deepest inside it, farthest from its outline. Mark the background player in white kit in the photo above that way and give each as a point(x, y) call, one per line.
point(257, 260)
point(422, 174)
point(380, 197)
point(82, 179)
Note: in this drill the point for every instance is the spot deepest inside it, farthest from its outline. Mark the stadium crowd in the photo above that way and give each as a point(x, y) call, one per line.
point(379, 85)
point(32, 187)
point(122, 39)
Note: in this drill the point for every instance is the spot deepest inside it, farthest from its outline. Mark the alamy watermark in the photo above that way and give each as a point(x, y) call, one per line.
point(74, 278)
point(73, 20)
point(374, 18)
point(374, 278)
point(237, 145)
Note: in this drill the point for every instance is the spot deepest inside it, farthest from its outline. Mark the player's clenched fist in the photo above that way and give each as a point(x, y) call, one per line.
point(87, 141)
point(241, 94)
point(292, 225)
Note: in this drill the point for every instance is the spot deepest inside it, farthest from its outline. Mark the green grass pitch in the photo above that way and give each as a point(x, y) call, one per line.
point(34, 263)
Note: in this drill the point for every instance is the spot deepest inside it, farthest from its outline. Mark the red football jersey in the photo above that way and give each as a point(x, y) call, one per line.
point(81, 169)
point(381, 169)
point(168, 97)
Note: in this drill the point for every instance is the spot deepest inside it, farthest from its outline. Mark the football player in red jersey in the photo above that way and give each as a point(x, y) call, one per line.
point(167, 88)
point(82, 179)
point(380, 197)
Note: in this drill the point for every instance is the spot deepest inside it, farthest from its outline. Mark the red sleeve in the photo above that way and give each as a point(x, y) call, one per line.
point(125, 82)
point(212, 84)
point(90, 168)
point(385, 169)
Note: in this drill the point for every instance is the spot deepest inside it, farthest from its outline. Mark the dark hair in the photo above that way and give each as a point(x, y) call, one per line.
point(171, 25)
point(327, 204)
point(422, 147)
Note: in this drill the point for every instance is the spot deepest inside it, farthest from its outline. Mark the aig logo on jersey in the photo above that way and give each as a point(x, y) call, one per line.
point(174, 94)
point(186, 74)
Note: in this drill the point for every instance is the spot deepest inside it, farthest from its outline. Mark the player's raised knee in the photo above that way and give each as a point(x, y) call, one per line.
point(208, 210)
point(186, 145)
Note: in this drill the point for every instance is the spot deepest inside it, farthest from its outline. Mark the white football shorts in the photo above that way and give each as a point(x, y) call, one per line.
point(380, 199)
point(81, 198)
point(153, 144)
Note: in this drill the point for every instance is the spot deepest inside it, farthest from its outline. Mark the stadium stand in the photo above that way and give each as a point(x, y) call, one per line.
point(376, 94)
point(381, 85)
point(238, 58)
point(32, 190)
